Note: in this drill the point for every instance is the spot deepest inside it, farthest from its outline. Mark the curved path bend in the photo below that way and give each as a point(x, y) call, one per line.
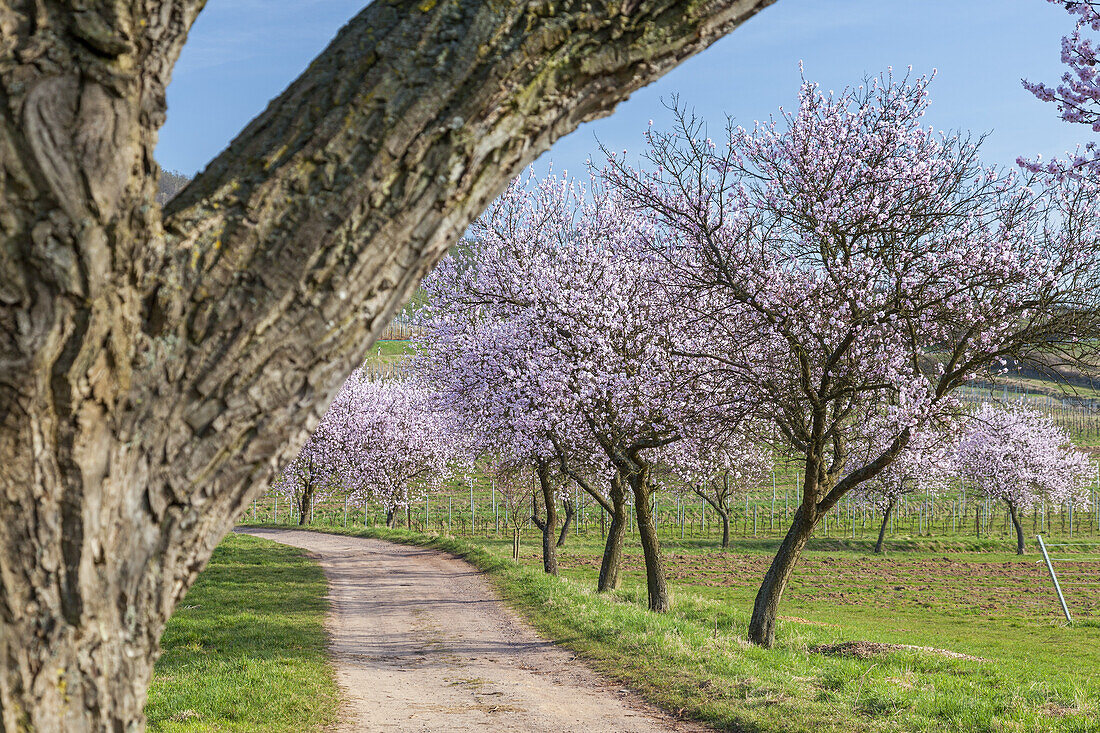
point(422, 642)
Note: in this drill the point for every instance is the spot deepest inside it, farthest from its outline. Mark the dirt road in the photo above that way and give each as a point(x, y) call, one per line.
point(421, 642)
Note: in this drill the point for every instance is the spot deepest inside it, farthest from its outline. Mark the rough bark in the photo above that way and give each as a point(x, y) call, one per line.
point(657, 587)
point(570, 509)
point(885, 524)
point(616, 533)
point(765, 610)
point(1014, 513)
point(159, 366)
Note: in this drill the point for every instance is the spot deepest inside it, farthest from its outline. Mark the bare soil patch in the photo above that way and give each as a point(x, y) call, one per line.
point(869, 649)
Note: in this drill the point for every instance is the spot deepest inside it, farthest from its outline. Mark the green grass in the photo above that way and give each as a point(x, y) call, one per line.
point(1035, 673)
point(246, 650)
point(391, 350)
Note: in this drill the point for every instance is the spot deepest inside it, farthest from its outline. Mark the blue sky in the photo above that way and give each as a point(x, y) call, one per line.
point(242, 53)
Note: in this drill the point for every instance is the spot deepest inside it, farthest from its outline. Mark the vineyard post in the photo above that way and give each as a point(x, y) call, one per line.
point(276, 509)
point(471, 506)
point(771, 518)
point(1054, 578)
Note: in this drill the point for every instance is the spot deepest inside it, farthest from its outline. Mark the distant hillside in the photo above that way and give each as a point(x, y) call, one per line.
point(170, 183)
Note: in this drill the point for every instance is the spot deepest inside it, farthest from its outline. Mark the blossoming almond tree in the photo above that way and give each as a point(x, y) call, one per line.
point(1020, 456)
point(852, 265)
point(378, 441)
point(581, 300)
point(479, 364)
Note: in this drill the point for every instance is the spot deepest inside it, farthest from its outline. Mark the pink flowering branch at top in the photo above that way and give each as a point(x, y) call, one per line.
point(844, 263)
point(1020, 456)
point(1077, 97)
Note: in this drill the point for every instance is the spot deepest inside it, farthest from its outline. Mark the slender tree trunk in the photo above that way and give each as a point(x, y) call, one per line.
point(1019, 528)
point(549, 526)
point(721, 508)
point(882, 529)
point(765, 610)
point(570, 509)
point(616, 533)
point(305, 501)
point(659, 599)
point(159, 365)
point(515, 544)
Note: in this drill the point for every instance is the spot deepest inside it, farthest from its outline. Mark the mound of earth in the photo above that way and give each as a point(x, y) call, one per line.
point(869, 649)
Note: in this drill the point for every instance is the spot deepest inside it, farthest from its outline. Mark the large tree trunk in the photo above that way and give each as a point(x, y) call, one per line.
point(659, 599)
point(885, 524)
point(765, 610)
point(1019, 527)
point(159, 366)
point(613, 545)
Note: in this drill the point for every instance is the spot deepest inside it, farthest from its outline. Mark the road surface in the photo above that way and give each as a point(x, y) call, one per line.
point(422, 642)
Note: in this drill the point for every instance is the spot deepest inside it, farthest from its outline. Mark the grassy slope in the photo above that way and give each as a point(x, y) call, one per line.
point(1038, 675)
point(246, 650)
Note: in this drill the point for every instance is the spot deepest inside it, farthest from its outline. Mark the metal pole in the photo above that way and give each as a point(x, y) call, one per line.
point(771, 517)
point(1053, 577)
point(471, 506)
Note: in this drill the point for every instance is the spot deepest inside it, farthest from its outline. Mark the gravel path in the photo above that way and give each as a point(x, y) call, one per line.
point(422, 642)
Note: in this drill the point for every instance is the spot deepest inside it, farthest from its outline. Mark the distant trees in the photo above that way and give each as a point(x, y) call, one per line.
point(719, 470)
point(1019, 456)
point(379, 441)
point(169, 184)
point(574, 346)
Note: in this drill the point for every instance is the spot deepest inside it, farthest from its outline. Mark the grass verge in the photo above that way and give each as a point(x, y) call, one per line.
point(246, 650)
point(1032, 675)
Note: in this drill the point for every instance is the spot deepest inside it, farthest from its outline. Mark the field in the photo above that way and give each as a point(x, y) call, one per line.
point(1007, 662)
point(246, 649)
